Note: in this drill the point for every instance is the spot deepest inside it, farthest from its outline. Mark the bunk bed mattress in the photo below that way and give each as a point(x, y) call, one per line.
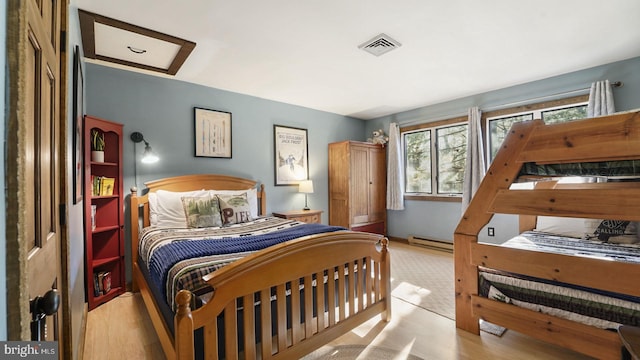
point(589, 306)
point(177, 259)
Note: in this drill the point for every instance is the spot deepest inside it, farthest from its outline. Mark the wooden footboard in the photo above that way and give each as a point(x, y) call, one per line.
point(360, 290)
point(343, 280)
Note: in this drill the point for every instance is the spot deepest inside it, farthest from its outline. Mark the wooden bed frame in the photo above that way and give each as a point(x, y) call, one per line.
point(614, 137)
point(349, 304)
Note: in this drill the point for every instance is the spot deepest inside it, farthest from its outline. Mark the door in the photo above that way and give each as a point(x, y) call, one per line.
point(33, 164)
point(359, 187)
point(378, 184)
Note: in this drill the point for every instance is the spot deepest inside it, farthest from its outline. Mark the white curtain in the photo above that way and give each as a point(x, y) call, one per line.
point(395, 171)
point(474, 166)
point(600, 99)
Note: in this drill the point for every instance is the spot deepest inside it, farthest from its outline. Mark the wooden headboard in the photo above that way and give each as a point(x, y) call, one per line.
point(139, 205)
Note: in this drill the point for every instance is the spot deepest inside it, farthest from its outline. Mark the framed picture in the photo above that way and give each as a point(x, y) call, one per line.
point(78, 90)
point(291, 155)
point(213, 133)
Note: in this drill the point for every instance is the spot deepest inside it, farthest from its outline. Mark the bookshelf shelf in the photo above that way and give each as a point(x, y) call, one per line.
point(102, 229)
point(105, 261)
point(103, 211)
point(98, 197)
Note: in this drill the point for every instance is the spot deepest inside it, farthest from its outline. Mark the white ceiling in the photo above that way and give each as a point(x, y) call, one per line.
point(305, 52)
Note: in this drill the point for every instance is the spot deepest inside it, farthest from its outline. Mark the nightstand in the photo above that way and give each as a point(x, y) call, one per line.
point(308, 216)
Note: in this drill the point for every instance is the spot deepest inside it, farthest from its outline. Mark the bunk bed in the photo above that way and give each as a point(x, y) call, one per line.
point(607, 145)
point(249, 308)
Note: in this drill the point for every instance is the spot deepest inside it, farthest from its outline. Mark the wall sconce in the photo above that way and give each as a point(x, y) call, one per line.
point(306, 187)
point(148, 157)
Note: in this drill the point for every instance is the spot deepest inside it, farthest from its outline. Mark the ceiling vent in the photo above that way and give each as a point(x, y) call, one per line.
point(379, 45)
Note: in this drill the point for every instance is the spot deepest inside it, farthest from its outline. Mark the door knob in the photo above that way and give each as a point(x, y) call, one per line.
point(40, 307)
point(45, 305)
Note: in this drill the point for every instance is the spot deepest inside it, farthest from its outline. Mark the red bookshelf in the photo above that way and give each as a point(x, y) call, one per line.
point(104, 230)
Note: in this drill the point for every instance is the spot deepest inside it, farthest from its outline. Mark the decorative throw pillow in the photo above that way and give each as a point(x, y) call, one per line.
point(252, 197)
point(201, 211)
point(234, 209)
point(614, 231)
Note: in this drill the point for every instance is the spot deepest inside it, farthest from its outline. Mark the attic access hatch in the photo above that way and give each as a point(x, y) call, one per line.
point(379, 44)
point(126, 44)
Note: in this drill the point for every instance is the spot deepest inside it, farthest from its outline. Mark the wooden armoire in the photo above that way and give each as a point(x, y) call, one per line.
point(358, 186)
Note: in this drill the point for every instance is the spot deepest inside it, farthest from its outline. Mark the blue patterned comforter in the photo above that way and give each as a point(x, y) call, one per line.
point(595, 307)
point(178, 258)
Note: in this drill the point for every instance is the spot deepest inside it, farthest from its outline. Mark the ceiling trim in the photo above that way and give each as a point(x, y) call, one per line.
point(87, 29)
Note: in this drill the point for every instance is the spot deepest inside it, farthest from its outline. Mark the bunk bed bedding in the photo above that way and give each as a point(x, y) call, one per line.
point(595, 307)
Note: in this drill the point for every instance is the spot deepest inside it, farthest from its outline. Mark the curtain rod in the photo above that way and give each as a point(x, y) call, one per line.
point(578, 91)
point(504, 106)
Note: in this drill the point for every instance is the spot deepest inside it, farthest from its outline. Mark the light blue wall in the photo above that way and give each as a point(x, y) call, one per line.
point(162, 109)
point(438, 220)
point(75, 222)
point(3, 243)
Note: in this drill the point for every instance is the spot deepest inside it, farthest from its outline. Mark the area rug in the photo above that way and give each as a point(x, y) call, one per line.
point(424, 278)
point(359, 352)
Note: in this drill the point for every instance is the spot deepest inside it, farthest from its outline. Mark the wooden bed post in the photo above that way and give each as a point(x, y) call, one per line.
point(263, 201)
point(386, 280)
point(184, 327)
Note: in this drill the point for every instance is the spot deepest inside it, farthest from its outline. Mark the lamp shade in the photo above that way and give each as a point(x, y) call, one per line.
point(149, 157)
point(306, 186)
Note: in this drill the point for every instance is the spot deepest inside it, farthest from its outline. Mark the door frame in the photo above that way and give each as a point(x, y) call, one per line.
point(18, 315)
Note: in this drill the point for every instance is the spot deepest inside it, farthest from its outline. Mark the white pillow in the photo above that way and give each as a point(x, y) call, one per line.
point(616, 232)
point(153, 209)
point(169, 211)
point(252, 198)
point(566, 226)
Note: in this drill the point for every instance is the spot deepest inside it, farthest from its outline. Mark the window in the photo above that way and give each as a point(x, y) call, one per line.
point(437, 150)
point(435, 153)
point(499, 125)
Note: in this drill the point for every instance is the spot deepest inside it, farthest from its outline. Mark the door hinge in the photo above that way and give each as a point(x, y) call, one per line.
point(62, 214)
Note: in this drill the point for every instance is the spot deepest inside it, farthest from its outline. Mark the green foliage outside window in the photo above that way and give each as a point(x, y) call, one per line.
point(452, 153)
point(417, 150)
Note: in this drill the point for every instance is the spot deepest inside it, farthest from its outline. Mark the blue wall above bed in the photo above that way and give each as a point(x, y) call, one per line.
point(162, 109)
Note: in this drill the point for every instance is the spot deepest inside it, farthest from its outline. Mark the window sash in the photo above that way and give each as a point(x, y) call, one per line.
point(496, 132)
point(443, 141)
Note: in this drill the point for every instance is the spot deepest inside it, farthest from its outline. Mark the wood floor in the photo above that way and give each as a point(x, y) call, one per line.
point(121, 329)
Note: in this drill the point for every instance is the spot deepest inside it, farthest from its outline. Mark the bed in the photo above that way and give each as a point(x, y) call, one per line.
point(249, 293)
point(597, 143)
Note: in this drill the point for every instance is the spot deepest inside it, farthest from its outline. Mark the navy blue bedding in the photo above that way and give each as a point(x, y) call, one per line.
point(178, 258)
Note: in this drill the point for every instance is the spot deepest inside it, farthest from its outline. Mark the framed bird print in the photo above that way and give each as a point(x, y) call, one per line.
point(291, 155)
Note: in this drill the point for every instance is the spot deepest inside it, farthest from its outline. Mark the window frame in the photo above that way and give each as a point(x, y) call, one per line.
point(536, 109)
point(484, 124)
point(433, 127)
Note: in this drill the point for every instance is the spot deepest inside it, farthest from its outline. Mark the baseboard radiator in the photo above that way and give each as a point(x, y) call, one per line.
point(430, 243)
